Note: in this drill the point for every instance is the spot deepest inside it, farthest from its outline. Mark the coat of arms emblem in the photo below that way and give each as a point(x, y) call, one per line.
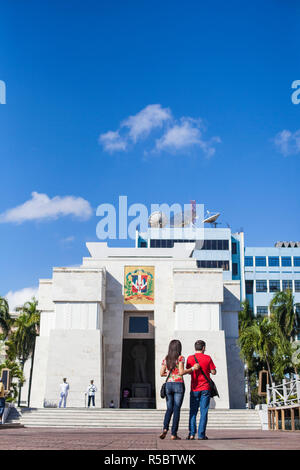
point(139, 285)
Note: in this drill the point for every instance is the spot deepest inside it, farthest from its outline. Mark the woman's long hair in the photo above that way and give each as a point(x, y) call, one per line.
point(173, 353)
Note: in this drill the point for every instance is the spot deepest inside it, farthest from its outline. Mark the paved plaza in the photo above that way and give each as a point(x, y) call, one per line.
point(141, 439)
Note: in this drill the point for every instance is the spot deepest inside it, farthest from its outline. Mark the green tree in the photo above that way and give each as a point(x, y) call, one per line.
point(5, 318)
point(282, 310)
point(283, 314)
point(262, 337)
point(30, 308)
point(21, 344)
point(246, 319)
point(15, 373)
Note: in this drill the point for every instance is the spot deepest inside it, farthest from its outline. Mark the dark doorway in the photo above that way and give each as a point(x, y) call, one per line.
point(138, 374)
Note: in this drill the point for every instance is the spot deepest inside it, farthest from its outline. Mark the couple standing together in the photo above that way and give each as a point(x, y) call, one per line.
point(198, 366)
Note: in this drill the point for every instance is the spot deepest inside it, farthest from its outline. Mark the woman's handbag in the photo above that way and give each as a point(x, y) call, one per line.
point(213, 388)
point(163, 392)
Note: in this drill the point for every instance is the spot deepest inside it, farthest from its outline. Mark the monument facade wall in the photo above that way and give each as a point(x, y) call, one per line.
point(82, 325)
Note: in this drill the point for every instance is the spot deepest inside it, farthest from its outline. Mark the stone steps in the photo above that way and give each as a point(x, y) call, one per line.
point(118, 418)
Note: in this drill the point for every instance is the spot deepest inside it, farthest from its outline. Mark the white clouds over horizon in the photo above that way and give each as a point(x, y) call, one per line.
point(19, 297)
point(287, 142)
point(40, 207)
point(177, 135)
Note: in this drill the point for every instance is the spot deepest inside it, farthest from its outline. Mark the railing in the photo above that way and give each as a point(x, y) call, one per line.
point(284, 405)
point(285, 394)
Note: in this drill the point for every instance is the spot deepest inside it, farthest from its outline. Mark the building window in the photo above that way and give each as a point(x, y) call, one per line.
point(248, 260)
point(287, 284)
point(215, 245)
point(213, 264)
point(143, 245)
point(286, 261)
point(260, 261)
point(273, 260)
point(297, 286)
point(261, 286)
point(249, 287)
point(222, 245)
point(163, 243)
point(138, 325)
point(261, 310)
point(296, 260)
point(206, 245)
point(297, 308)
point(234, 269)
point(274, 286)
point(234, 248)
point(224, 265)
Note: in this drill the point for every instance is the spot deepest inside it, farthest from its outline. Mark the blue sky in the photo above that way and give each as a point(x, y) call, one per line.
point(74, 70)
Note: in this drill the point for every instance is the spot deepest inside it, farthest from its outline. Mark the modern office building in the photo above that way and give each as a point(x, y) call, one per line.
point(262, 271)
point(212, 248)
point(271, 269)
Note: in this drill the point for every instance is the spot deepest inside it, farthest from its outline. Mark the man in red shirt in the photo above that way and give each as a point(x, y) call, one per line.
point(200, 389)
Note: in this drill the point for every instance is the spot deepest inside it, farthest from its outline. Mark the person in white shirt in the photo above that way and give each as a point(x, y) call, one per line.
point(64, 389)
point(91, 391)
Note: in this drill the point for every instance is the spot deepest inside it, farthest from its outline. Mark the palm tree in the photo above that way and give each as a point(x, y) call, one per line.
point(282, 310)
point(31, 309)
point(22, 339)
point(5, 318)
point(246, 318)
point(262, 337)
point(283, 313)
point(15, 373)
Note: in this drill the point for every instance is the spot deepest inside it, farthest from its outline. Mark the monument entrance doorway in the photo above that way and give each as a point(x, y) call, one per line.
point(138, 369)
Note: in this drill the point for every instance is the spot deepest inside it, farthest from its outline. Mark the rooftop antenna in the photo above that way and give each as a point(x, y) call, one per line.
point(194, 211)
point(185, 218)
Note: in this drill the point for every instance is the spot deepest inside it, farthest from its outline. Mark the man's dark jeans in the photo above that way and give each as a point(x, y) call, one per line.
point(175, 393)
point(91, 398)
point(197, 399)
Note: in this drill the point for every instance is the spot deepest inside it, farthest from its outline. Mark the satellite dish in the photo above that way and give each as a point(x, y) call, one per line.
point(183, 218)
point(211, 219)
point(157, 219)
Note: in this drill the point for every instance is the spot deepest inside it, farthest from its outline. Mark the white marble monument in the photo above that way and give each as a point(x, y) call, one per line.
point(87, 329)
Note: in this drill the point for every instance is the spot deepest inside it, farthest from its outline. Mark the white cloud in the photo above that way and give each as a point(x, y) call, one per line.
point(176, 134)
point(185, 134)
point(68, 240)
point(151, 117)
point(19, 297)
point(112, 141)
point(40, 206)
point(288, 143)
